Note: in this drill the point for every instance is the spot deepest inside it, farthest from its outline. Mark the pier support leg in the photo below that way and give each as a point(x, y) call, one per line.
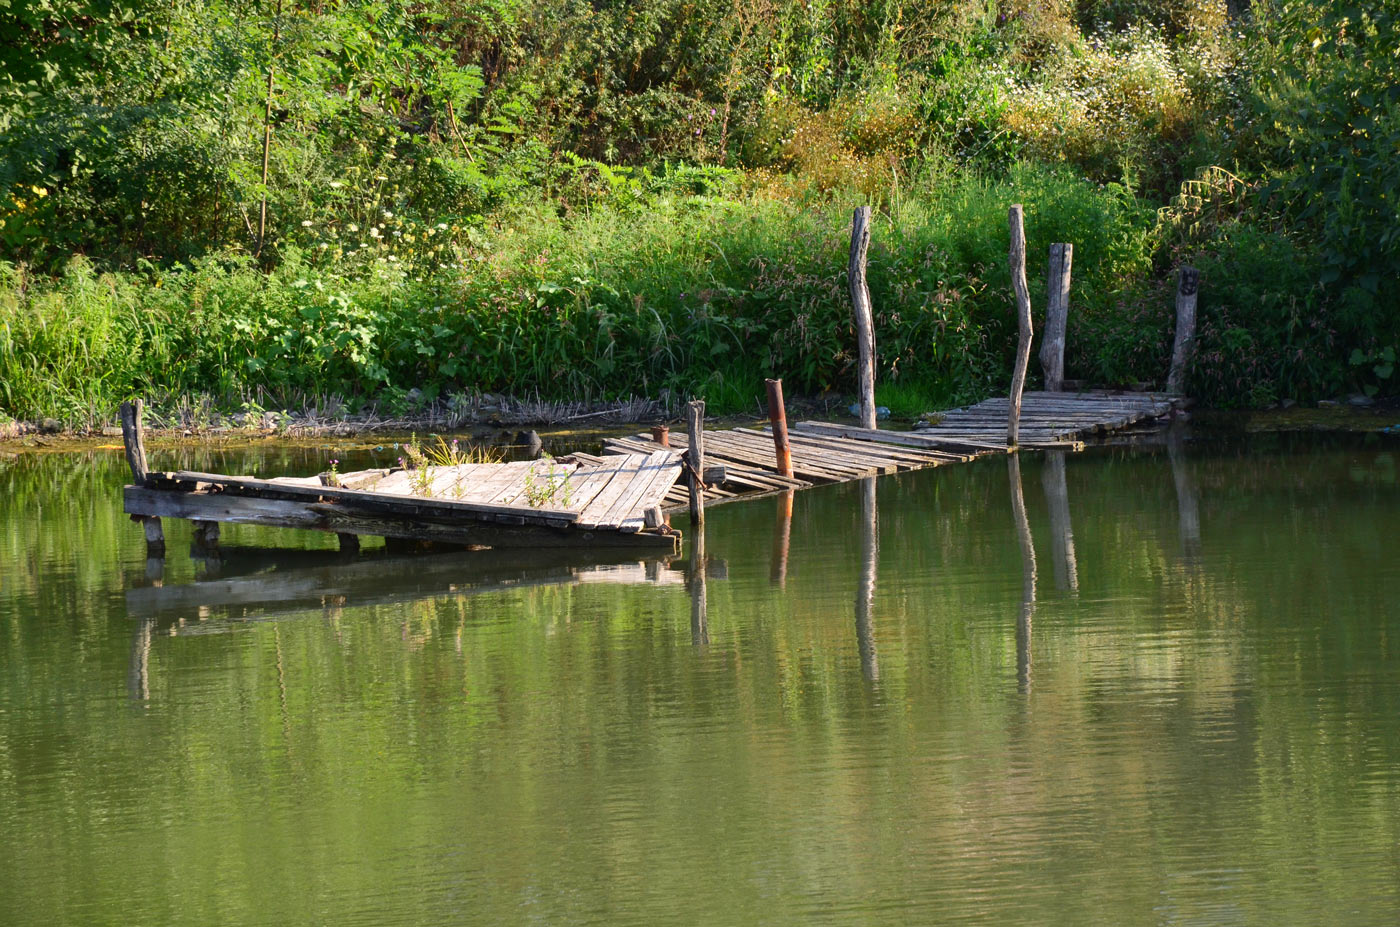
point(1052, 347)
point(695, 425)
point(1017, 259)
point(155, 537)
point(206, 535)
point(777, 416)
point(349, 543)
point(864, 315)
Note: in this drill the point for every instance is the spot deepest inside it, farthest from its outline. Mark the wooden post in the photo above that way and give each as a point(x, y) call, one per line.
point(134, 438)
point(155, 536)
point(1052, 346)
point(661, 435)
point(864, 315)
point(1187, 285)
point(349, 543)
point(1023, 314)
point(695, 426)
point(777, 415)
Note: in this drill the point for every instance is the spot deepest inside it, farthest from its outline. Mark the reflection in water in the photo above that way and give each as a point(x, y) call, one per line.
point(255, 583)
point(1188, 510)
point(1061, 534)
point(695, 583)
point(865, 594)
point(1023, 535)
point(536, 753)
point(782, 539)
point(138, 682)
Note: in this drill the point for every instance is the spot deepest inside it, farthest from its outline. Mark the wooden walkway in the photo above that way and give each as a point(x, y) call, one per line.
point(619, 498)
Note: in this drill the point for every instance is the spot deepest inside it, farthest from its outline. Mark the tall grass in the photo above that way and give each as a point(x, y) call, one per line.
point(694, 295)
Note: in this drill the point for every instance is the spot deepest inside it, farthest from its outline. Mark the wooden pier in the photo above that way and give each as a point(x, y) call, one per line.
point(618, 499)
point(622, 498)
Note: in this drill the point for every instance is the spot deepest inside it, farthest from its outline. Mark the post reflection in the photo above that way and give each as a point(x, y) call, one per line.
point(1187, 505)
point(865, 592)
point(782, 538)
point(1061, 532)
point(1028, 570)
point(695, 582)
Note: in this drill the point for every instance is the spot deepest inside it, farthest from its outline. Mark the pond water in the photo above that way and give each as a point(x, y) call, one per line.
point(1157, 685)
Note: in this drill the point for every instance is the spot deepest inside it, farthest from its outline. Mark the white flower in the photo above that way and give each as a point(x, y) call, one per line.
point(352, 227)
point(306, 223)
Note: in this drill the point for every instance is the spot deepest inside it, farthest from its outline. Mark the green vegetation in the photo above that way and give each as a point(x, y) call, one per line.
point(599, 199)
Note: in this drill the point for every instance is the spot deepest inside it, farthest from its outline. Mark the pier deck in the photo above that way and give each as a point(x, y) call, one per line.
point(619, 498)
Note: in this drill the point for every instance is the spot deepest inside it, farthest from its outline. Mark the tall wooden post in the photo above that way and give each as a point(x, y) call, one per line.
point(134, 440)
point(1052, 346)
point(1187, 285)
point(864, 315)
point(695, 426)
point(1023, 314)
point(777, 415)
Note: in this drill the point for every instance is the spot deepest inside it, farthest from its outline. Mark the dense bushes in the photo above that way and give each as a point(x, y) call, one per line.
point(585, 197)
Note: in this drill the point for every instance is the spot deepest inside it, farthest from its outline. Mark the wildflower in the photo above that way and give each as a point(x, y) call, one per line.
point(306, 223)
point(352, 227)
point(374, 231)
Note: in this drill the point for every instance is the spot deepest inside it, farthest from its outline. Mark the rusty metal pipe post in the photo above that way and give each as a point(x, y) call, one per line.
point(777, 415)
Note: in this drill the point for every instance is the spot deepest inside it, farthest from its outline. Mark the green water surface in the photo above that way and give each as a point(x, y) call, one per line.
point(1161, 687)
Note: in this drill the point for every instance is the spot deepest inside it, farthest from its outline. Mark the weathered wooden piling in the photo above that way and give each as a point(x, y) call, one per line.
point(864, 315)
point(777, 416)
point(1052, 345)
point(661, 434)
point(134, 441)
point(1187, 286)
point(695, 428)
point(1017, 259)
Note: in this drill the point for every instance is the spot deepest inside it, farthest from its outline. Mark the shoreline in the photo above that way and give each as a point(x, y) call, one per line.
point(491, 419)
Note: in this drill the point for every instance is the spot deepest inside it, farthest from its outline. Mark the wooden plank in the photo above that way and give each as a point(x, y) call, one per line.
point(662, 464)
point(595, 511)
point(462, 509)
point(666, 476)
point(908, 459)
point(351, 515)
point(852, 455)
point(594, 480)
point(730, 450)
point(922, 439)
